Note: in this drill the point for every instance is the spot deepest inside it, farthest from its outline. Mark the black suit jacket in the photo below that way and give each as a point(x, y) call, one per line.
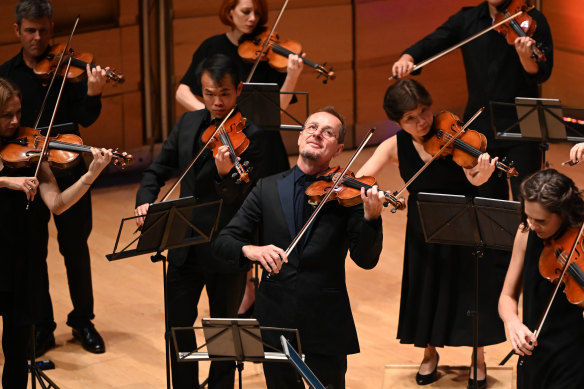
point(202, 181)
point(310, 292)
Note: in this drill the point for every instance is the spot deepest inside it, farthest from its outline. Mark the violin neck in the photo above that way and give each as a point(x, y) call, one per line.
point(238, 166)
point(58, 145)
point(276, 48)
point(111, 75)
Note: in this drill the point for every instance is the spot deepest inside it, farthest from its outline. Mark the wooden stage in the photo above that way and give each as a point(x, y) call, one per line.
point(129, 306)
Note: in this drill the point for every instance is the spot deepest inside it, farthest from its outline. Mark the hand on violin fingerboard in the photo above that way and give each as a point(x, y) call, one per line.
point(96, 79)
point(223, 161)
point(483, 170)
point(372, 202)
point(101, 158)
point(523, 46)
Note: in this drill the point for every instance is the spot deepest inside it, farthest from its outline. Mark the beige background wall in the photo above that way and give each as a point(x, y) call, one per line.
point(360, 39)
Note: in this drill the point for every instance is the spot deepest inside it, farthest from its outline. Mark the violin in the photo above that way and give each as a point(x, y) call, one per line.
point(465, 149)
point(26, 147)
point(523, 25)
point(230, 134)
point(554, 258)
point(77, 72)
point(348, 193)
point(277, 53)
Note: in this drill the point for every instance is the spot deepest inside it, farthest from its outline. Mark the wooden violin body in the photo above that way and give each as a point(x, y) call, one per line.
point(26, 147)
point(465, 149)
point(554, 257)
point(77, 72)
point(231, 135)
point(349, 191)
point(277, 53)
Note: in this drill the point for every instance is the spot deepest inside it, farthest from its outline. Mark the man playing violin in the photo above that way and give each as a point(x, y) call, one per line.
point(495, 71)
point(551, 205)
point(192, 268)
point(21, 243)
point(307, 289)
point(80, 105)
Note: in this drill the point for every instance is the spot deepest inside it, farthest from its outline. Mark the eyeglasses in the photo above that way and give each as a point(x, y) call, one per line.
point(311, 129)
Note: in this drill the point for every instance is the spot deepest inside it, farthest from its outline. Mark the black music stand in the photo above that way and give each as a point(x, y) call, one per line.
point(260, 102)
point(36, 368)
point(232, 339)
point(538, 120)
point(168, 225)
point(480, 222)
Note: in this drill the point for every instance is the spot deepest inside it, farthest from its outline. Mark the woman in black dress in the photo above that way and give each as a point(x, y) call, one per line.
point(436, 292)
point(550, 203)
point(21, 251)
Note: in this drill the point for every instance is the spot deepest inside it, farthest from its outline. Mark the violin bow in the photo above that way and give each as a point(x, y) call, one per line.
point(329, 193)
point(191, 164)
point(464, 42)
point(44, 151)
point(537, 331)
point(397, 194)
point(263, 50)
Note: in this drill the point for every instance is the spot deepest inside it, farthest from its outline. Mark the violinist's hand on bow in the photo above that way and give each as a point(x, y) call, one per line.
point(141, 210)
point(403, 66)
point(576, 152)
point(96, 80)
point(223, 160)
point(372, 202)
point(28, 185)
point(270, 257)
point(521, 338)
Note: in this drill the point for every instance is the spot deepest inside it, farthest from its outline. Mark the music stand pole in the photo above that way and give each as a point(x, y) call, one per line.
point(35, 372)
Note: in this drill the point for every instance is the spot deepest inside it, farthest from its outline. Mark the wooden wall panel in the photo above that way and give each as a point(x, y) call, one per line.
point(567, 80)
point(566, 18)
point(384, 28)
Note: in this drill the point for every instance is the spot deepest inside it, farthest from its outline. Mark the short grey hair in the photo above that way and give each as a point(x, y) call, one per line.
point(33, 9)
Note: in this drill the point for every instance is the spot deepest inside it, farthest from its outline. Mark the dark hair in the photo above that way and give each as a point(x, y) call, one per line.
point(556, 193)
point(331, 110)
point(404, 96)
point(260, 8)
point(217, 66)
point(32, 9)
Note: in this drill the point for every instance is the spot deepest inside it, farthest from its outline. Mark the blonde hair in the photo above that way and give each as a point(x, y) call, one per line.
point(7, 91)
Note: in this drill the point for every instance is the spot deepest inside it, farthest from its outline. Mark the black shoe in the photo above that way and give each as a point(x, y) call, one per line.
point(482, 384)
point(90, 339)
point(426, 379)
point(43, 342)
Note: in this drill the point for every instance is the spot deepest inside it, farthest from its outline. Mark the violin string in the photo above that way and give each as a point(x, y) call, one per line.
point(472, 150)
point(574, 270)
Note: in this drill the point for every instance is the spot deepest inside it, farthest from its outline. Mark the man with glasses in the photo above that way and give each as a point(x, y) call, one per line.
point(306, 289)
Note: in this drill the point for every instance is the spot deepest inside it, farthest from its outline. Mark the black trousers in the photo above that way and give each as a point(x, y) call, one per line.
point(527, 157)
point(329, 369)
point(225, 291)
point(73, 229)
point(15, 341)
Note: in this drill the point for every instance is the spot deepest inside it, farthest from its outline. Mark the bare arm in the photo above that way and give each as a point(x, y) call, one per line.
point(187, 99)
point(385, 154)
point(483, 170)
point(519, 335)
point(293, 71)
point(57, 201)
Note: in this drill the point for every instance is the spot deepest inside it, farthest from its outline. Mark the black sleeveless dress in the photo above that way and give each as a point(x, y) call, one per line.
point(437, 282)
point(558, 360)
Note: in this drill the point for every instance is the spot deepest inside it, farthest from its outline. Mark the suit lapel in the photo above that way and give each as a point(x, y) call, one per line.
point(286, 192)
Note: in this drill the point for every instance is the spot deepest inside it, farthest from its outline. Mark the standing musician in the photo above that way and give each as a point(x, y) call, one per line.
point(21, 243)
point(436, 292)
point(495, 71)
point(81, 105)
point(246, 18)
point(192, 268)
point(307, 290)
point(551, 204)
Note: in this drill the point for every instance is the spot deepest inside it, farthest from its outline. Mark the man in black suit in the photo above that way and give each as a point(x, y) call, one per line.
point(210, 179)
point(307, 289)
